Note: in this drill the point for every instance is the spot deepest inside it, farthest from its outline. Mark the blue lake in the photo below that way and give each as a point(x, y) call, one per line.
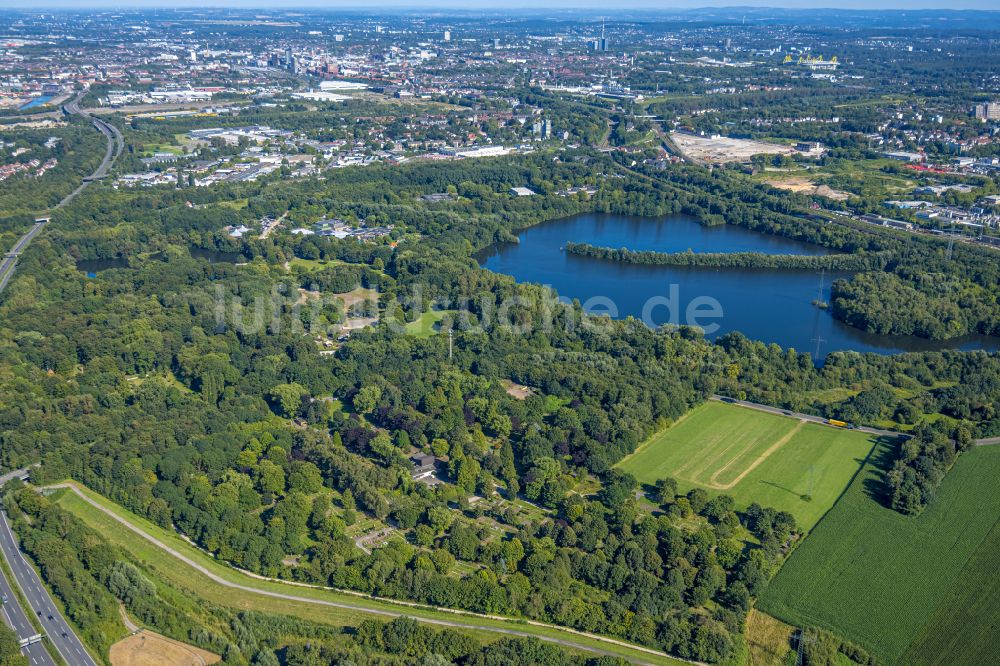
point(764, 304)
point(38, 101)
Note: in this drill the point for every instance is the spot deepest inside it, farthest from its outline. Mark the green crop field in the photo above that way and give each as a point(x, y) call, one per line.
point(909, 589)
point(965, 627)
point(754, 456)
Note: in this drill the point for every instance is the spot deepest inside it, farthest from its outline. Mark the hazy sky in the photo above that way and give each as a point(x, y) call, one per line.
point(500, 4)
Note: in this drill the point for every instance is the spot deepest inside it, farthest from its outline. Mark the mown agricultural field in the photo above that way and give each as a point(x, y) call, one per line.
point(909, 589)
point(774, 460)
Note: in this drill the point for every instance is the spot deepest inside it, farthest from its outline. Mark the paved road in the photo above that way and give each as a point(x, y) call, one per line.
point(16, 474)
point(804, 417)
point(54, 625)
point(116, 145)
point(17, 619)
point(367, 609)
point(985, 441)
point(10, 259)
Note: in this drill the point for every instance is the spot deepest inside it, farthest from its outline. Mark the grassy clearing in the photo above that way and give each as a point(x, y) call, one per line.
point(184, 577)
point(888, 581)
point(756, 457)
point(861, 177)
point(878, 101)
point(769, 639)
point(426, 324)
point(310, 265)
point(152, 148)
point(235, 204)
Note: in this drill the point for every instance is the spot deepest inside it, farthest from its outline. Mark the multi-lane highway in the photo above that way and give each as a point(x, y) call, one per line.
point(54, 626)
point(10, 258)
point(16, 618)
point(115, 146)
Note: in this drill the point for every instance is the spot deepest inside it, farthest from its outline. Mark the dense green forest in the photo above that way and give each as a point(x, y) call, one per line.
point(192, 393)
point(91, 578)
point(25, 195)
point(837, 262)
point(10, 651)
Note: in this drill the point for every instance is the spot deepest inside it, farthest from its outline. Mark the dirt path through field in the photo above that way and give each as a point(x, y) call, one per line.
point(126, 620)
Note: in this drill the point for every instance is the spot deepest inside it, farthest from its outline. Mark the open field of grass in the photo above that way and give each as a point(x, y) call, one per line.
point(909, 589)
point(310, 265)
point(426, 324)
point(151, 148)
point(769, 640)
point(311, 603)
point(774, 460)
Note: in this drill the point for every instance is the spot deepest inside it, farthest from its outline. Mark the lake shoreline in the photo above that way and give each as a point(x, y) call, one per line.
point(773, 305)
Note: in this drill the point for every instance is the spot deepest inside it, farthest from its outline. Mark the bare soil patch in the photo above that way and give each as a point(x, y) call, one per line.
point(806, 186)
point(148, 648)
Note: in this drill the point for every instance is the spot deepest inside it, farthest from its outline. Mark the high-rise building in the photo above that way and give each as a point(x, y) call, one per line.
point(988, 111)
point(447, 35)
point(547, 129)
point(496, 42)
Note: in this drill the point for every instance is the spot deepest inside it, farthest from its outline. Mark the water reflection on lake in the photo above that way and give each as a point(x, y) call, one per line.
point(765, 304)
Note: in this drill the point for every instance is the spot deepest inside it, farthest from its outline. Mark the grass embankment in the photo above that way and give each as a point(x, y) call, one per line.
point(310, 603)
point(754, 456)
point(910, 590)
